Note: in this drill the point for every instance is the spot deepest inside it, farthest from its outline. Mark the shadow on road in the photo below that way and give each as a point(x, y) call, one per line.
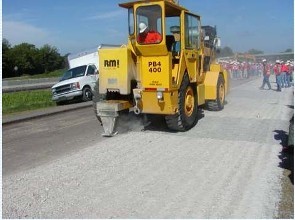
point(287, 154)
point(70, 102)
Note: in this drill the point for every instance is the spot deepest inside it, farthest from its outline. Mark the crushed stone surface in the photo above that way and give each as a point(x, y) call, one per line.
point(227, 166)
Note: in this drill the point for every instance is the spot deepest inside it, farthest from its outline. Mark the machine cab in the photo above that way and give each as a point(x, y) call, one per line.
point(155, 27)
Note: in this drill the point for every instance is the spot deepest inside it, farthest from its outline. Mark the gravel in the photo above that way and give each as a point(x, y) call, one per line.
point(225, 167)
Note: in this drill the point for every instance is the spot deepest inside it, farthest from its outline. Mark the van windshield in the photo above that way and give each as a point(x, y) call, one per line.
point(74, 72)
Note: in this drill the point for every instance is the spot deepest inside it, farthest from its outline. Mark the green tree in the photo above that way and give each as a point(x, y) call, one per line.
point(25, 58)
point(5, 45)
point(6, 61)
point(226, 52)
point(288, 50)
point(254, 51)
point(49, 58)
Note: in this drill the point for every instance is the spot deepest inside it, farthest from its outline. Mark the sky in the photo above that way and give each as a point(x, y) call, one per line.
point(74, 26)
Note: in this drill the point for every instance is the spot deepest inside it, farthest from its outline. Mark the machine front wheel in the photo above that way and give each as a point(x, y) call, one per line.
point(187, 114)
point(218, 103)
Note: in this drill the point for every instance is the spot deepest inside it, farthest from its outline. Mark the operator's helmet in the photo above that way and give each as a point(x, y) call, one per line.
point(142, 27)
point(175, 29)
point(264, 60)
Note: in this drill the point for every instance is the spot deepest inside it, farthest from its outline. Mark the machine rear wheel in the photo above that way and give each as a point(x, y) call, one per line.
point(187, 114)
point(218, 103)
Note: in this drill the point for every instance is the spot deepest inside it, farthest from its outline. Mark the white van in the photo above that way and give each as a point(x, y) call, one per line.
point(80, 79)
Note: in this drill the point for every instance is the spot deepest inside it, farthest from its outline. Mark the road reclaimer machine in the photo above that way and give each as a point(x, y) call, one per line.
point(167, 68)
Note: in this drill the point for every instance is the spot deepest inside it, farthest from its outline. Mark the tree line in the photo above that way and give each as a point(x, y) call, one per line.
point(228, 52)
point(26, 59)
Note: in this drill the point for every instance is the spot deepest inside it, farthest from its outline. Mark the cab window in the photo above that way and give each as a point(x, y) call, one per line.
point(149, 24)
point(131, 21)
point(192, 32)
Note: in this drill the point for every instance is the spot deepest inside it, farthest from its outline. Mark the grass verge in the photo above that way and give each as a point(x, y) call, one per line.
point(56, 73)
point(26, 100)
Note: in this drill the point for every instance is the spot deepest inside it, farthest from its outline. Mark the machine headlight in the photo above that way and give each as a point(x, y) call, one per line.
point(160, 96)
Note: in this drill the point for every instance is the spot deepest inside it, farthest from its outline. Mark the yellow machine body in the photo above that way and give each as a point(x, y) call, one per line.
point(157, 78)
point(117, 70)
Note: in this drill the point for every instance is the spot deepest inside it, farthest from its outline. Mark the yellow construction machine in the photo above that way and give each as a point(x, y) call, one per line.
point(167, 68)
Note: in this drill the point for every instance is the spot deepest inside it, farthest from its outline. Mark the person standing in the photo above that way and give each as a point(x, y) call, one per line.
point(283, 75)
point(288, 74)
point(266, 74)
point(259, 67)
point(239, 70)
point(291, 70)
point(235, 70)
point(277, 71)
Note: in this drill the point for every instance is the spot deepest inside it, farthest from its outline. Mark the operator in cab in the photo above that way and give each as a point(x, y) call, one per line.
point(147, 36)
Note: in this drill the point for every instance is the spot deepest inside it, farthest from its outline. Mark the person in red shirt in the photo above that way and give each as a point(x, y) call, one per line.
point(277, 70)
point(283, 74)
point(147, 36)
point(289, 73)
point(266, 74)
point(286, 70)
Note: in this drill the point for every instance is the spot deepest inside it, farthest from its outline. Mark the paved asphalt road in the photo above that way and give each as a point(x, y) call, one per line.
point(14, 86)
point(10, 85)
point(228, 166)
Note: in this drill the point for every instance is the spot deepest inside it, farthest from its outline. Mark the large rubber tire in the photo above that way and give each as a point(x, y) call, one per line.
point(87, 94)
point(218, 103)
point(187, 114)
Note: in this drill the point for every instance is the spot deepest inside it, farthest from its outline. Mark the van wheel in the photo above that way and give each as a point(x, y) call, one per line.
point(187, 114)
point(218, 103)
point(87, 94)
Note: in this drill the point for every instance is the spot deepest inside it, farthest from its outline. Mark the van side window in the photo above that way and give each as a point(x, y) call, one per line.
point(90, 70)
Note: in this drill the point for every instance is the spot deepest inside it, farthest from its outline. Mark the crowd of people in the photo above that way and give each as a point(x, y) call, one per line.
point(241, 70)
point(282, 70)
point(284, 74)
